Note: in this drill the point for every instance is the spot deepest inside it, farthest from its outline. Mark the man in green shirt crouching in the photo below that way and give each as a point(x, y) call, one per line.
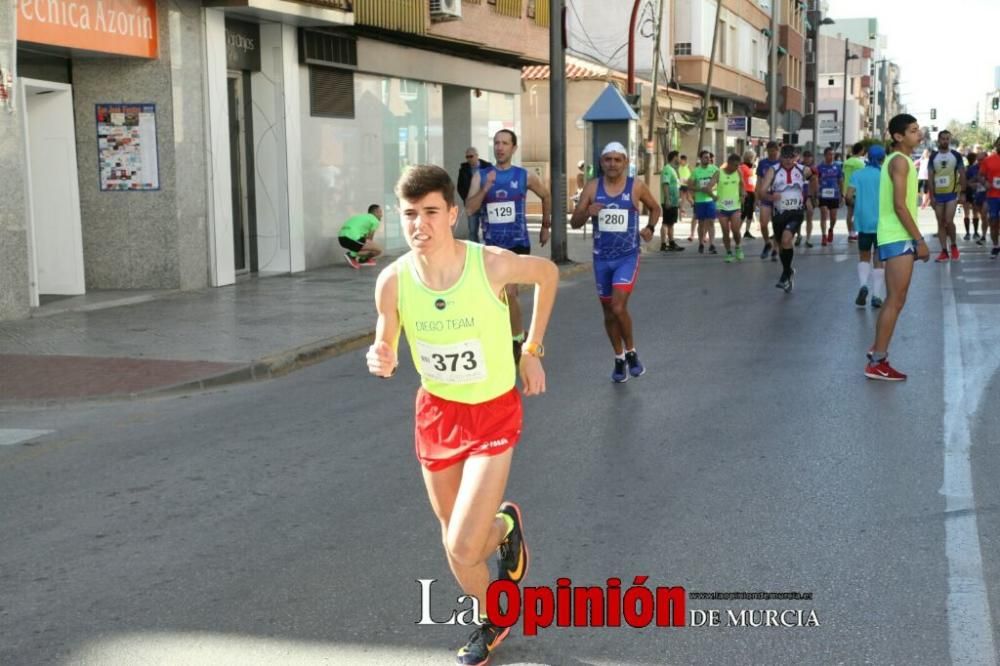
point(356, 235)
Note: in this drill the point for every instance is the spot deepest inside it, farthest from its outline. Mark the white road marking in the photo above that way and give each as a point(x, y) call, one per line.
point(14, 436)
point(970, 626)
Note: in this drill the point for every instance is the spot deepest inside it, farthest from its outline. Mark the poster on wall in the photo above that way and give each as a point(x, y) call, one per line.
point(126, 147)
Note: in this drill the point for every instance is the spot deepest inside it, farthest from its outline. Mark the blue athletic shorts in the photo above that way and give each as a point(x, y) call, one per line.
point(705, 210)
point(897, 249)
point(617, 273)
point(979, 198)
point(993, 208)
point(945, 198)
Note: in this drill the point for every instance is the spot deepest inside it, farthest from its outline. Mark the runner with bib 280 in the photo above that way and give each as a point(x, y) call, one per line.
point(611, 202)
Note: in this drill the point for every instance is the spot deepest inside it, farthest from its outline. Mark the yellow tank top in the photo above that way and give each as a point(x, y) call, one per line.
point(459, 338)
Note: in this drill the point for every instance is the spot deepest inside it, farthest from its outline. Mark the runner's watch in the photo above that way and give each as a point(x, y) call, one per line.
point(534, 349)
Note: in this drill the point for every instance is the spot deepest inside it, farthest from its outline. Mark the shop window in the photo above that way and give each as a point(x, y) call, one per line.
point(331, 92)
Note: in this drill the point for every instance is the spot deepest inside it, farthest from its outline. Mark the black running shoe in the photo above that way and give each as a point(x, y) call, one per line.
point(674, 247)
point(512, 553)
point(701, 248)
point(663, 247)
point(774, 255)
point(862, 298)
point(482, 642)
point(765, 251)
point(712, 250)
point(748, 235)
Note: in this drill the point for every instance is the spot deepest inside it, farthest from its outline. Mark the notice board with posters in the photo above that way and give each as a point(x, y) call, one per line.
point(126, 147)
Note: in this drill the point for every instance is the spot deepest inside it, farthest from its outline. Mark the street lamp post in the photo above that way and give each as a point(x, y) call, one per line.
point(848, 56)
point(815, 90)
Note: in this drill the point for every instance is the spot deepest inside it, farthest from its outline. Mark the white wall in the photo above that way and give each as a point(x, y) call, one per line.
point(694, 23)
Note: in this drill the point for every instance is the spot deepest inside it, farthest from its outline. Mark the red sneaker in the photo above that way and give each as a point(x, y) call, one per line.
point(954, 253)
point(882, 370)
point(351, 261)
point(367, 262)
point(943, 257)
point(824, 240)
point(829, 235)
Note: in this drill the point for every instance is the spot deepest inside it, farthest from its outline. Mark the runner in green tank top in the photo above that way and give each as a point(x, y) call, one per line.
point(730, 206)
point(448, 297)
point(899, 239)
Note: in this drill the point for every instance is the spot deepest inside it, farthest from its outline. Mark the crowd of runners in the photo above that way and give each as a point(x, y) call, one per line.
point(457, 300)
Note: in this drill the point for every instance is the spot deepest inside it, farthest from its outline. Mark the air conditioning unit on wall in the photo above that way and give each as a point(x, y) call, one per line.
point(446, 10)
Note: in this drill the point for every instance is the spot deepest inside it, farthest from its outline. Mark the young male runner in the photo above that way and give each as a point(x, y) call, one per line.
point(764, 165)
point(989, 172)
point(356, 235)
point(500, 193)
point(448, 295)
point(945, 182)
point(863, 196)
point(671, 197)
point(749, 187)
point(899, 239)
point(612, 201)
point(730, 205)
point(785, 185)
point(703, 181)
point(831, 187)
point(854, 162)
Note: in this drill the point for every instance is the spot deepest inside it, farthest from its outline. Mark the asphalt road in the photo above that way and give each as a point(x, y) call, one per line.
point(286, 523)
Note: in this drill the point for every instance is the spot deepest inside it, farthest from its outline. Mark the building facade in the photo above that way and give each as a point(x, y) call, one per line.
point(233, 137)
point(857, 113)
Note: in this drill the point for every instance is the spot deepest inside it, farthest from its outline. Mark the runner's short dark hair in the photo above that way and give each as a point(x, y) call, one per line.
point(423, 179)
point(513, 137)
point(772, 145)
point(373, 208)
point(671, 155)
point(857, 148)
point(899, 123)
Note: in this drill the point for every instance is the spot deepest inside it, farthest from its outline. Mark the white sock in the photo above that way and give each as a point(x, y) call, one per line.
point(878, 282)
point(620, 357)
point(864, 270)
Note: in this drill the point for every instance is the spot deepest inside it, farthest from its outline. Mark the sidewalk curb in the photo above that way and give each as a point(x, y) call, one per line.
point(272, 366)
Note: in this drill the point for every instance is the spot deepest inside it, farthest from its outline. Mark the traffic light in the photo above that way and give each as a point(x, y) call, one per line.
point(996, 103)
point(933, 114)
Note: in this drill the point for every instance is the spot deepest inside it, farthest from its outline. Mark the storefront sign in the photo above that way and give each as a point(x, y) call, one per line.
point(124, 27)
point(737, 125)
point(242, 46)
point(126, 147)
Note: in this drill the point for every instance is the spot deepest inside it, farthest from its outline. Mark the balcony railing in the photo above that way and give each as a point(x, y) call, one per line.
point(514, 8)
point(400, 15)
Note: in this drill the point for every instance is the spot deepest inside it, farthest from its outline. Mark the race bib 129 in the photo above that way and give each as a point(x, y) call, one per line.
point(458, 363)
point(501, 212)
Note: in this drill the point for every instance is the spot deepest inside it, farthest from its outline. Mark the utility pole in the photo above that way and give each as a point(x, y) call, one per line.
point(653, 96)
point(843, 121)
point(772, 88)
point(557, 130)
point(708, 84)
